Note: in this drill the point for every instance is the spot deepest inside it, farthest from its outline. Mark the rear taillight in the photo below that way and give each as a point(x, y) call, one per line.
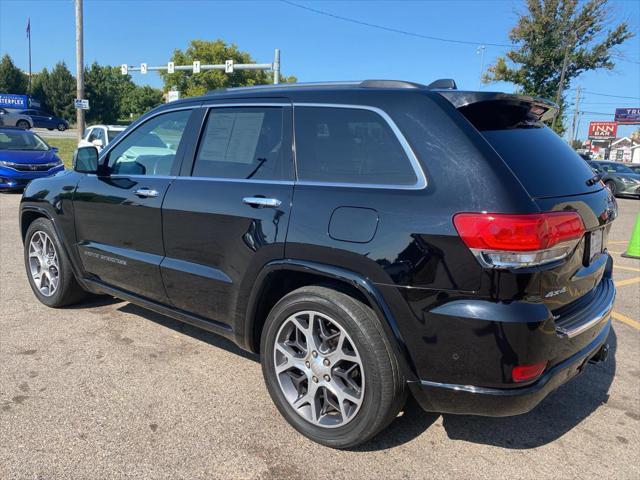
point(512, 241)
point(523, 373)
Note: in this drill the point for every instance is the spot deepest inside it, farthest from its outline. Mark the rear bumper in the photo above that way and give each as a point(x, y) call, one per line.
point(502, 402)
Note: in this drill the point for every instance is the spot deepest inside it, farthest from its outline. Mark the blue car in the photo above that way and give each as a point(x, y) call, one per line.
point(46, 120)
point(23, 157)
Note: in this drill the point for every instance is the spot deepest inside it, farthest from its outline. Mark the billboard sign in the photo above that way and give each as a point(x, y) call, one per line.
point(9, 100)
point(602, 130)
point(628, 116)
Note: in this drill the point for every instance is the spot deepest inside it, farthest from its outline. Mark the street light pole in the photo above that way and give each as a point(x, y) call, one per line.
point(480, 50)
point(79, 68)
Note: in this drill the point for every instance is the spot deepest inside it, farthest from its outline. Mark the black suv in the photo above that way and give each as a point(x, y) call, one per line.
point(368, 239)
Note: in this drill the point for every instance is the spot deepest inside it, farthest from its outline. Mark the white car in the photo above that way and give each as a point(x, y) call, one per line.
point(100, 135)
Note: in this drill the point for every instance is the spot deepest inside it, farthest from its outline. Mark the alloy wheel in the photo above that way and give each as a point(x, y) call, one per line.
point(43, 263)
point(319, 369)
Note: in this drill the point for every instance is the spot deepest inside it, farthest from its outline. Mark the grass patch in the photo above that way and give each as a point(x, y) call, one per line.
point(66, 147)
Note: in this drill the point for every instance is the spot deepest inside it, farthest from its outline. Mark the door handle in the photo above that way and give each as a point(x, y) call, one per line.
point(146, 193)
point(262, 202)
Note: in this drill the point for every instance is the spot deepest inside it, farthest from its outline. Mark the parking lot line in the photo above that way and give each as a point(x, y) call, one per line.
point(612, 242)
point(628, 281)
point(624, 319)
point(631, 269)
point(617, 253)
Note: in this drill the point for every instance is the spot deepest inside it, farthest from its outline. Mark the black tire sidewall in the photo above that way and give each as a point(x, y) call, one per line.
point(358, 429)
point(611, 185)
point(66, 279)
point(21, 124)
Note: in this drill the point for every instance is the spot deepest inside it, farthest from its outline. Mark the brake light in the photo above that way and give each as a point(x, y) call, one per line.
point(522, 373)
point(511, 241)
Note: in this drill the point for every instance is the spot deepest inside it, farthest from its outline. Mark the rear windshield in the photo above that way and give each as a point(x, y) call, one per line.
point(542, 161)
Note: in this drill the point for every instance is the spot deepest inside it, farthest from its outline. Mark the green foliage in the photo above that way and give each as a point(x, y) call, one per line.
point(548, 30)
point(12, 80)
point(576, 144)
point(139, 100)
point(105, 87)
point(216, 52)
point(56, 91)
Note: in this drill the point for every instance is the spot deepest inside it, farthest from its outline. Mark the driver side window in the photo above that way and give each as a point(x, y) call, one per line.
point(151, 148)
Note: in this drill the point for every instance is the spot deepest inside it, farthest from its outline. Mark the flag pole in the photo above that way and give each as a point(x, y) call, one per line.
point(29, 37)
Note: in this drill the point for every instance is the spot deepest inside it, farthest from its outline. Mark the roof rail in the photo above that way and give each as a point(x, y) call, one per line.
point(438, 84)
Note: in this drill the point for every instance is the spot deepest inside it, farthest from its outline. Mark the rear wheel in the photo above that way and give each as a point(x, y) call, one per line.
point(23, 124)
point(329, 367)
point(611, 185)
point(48, 267)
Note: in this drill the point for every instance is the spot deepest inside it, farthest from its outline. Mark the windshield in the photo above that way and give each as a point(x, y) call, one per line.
point(615, 168)
point(21, 140)
point(111, 134)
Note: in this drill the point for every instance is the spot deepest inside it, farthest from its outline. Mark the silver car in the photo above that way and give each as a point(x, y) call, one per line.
point(13, 119)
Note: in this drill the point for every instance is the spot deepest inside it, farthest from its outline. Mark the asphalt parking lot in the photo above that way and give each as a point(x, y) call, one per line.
point(109, 390)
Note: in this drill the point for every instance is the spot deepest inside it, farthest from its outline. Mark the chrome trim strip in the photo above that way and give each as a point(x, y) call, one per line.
point(601, 316)
point(421, 179)
point(208, 104)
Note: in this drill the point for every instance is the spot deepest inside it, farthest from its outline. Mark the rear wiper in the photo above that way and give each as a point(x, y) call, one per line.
point(593, 180)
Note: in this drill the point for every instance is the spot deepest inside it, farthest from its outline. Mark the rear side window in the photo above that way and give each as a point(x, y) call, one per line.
point(542, 161)
point(244, 143)
point(349, 145)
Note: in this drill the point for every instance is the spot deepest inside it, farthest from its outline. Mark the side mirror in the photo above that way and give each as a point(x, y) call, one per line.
point(85, 160)
point(55, 149)
point(97, 142)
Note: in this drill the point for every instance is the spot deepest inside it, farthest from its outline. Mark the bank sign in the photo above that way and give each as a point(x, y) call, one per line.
point(603, 130)
point(9, 100)
point(627, 116)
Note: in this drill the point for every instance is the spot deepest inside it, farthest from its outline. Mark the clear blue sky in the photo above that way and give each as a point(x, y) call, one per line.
point(314, 47)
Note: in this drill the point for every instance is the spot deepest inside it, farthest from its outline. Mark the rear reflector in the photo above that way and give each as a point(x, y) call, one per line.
point(522, 373)
point(512, 241)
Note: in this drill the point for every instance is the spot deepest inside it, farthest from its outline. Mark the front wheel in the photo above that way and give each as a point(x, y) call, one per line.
point(611, 185)
point(329, 367)
point(62, 127)
point(48, 267)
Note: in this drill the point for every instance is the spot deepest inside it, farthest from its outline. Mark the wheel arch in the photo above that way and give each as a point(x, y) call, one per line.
point(280, 277)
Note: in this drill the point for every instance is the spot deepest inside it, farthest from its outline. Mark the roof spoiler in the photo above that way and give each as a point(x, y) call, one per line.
point(482, 107)
point(443, 84)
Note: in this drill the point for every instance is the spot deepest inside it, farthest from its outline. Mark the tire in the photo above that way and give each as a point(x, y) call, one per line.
point(66, 291)
point(61, 127)
point(382, 387)
point(23, 124)
point(611, 185)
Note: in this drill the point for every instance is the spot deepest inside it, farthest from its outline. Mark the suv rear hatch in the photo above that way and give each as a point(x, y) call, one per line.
point(556, 178)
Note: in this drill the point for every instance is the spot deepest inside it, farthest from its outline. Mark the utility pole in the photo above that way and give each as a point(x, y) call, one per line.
point(576, 111)
point(79, 68)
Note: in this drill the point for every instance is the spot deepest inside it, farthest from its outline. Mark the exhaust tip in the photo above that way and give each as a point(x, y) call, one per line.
point(601, 355)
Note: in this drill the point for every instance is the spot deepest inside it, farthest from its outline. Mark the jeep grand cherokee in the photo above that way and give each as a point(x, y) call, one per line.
point(368, 239)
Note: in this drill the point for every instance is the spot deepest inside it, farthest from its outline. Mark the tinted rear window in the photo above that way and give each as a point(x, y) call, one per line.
point(542, 161)
point(349, 145)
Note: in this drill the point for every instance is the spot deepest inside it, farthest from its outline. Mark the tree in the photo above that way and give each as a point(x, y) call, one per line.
point(216, 52)
point(552, 31)
point(56, 91)
point(105, 88)
point(139, 100)
point(12, 80)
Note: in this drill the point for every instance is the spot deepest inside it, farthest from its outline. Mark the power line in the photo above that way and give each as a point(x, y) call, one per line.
point(391, 29)
point(608, 95)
